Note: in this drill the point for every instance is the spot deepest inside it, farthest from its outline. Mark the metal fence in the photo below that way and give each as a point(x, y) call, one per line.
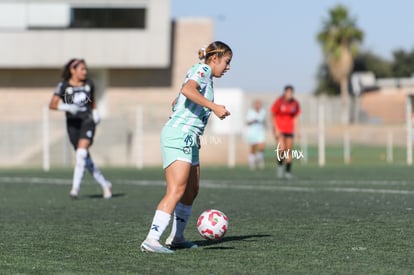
point(131, 138)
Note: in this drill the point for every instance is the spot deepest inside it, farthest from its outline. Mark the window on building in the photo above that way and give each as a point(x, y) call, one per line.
point(108, 18)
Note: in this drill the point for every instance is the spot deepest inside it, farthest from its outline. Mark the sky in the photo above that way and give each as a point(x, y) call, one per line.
point(274, 42)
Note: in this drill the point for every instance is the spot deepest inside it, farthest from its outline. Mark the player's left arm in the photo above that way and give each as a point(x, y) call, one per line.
point(92, 98)
point(296, 120)
point(95, 114)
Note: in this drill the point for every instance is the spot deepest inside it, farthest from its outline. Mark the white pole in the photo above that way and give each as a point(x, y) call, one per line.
point(138, 137)
point(46, 153)
point(304, 145)
point(321, 134)
point(408, 114)
point(347, 148)
point(390, 145)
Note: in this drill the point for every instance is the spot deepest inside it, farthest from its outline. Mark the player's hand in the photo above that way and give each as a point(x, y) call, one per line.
point(252, 122)
point(221, 112)
point(96, 117)
point(76, 109)
point(277, 134)
point(71, 108)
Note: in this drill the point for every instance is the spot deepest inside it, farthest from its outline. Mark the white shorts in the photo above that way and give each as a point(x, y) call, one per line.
point(255, 137)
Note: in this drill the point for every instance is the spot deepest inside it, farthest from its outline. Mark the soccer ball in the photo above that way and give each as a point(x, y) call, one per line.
point(212, 224)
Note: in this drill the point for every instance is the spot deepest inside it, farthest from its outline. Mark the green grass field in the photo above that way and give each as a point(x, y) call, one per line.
point(333, 220)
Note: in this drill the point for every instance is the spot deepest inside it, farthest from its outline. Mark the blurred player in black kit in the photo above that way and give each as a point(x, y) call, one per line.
point(74, 95)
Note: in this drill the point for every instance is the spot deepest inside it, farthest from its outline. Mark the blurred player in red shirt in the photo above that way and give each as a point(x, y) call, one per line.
point(285, 111)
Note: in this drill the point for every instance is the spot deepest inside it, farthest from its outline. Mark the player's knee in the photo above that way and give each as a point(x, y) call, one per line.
point(175, 192)
point(180, 191)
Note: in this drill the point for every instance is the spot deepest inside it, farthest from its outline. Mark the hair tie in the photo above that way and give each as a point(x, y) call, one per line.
point(202, 53)
point(75, 63)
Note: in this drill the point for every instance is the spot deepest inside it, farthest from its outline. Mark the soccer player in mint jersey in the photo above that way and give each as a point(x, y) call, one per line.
point(74, 95)
point(180, 147)
point(285, 112)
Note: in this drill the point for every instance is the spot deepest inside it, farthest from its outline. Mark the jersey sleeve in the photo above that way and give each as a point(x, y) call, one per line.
point(262, 115)
point(275, 108)
point(59, 91)
point(298, 110)
point(250, 116)
point(200, 74)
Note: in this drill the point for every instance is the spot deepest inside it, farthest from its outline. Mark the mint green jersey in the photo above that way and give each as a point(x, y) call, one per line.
point(187, 115)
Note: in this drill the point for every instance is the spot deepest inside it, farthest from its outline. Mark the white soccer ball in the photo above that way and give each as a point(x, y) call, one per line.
point(212, 224)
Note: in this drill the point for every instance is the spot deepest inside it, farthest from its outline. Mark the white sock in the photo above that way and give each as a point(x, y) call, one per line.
point(252, 161)
point(95, 172)
point(260, 159)
point(79, 168)
point(182, 214)
point(159, 224)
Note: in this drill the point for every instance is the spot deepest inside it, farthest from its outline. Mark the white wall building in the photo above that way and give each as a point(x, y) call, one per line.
point(109, 34)
point(137, 57)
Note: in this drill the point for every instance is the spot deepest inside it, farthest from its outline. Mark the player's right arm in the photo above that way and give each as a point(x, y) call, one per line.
point(190, 90)
point(56, 103)
point(276, 131)
point(250, 118)
point(251, 122)
point(56, 98)
point(275, 111)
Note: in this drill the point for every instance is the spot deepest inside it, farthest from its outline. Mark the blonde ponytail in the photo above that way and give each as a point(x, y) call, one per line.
point(202, 54)
point(216, 47)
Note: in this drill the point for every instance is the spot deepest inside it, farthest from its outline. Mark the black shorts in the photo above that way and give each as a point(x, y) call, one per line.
point(80, 129)
point(288, 135)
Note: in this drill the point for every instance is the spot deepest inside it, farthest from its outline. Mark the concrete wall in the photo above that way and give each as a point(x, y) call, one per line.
point(21, 47)
point(385, 106)
point(118, 98)
point(25, 92)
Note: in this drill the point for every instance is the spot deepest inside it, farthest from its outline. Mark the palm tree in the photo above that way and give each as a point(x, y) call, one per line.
point(339, 38)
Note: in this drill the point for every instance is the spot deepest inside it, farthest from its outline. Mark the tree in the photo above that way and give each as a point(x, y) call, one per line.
point(364, 61)
point(403, 63)
point(339, 37)
point(326, 85)
point(368, 61)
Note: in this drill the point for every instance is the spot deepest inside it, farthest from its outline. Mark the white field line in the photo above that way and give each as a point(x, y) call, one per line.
point(272, 186)
point(222, 182)
point(35, 180)
point(328, 182)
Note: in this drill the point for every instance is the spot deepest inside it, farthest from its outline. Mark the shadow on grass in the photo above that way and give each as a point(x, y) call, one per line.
point(96, 196)
point(214, 244)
